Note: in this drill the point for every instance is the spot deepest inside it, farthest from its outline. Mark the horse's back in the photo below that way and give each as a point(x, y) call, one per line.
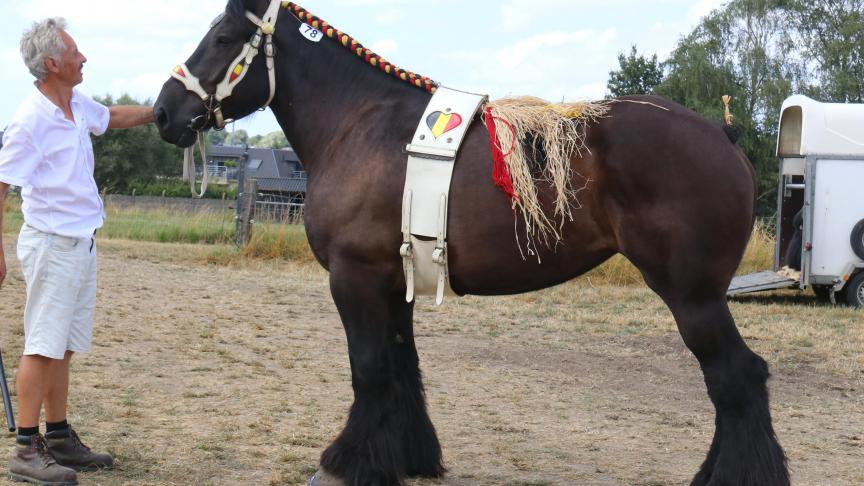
point(662, 185)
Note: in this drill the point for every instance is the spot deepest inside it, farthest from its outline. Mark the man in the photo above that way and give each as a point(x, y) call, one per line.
point(47, 152)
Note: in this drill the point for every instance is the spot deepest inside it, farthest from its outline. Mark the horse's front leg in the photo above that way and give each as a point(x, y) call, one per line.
point(388, 434)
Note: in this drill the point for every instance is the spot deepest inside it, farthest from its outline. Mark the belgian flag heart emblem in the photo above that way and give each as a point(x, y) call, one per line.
point(441, 123)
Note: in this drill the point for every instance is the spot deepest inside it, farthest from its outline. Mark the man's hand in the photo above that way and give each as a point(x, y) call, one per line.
point(128, 116)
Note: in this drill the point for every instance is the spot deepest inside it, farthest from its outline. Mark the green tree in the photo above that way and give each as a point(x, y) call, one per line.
point(238, 137)
point(216, 137)
point(745, 50)
point(832, 34)
point(636, 75)
point(133, 154)
point(274, 140)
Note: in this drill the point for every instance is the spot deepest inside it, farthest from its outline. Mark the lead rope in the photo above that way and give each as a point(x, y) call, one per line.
point(189, 165)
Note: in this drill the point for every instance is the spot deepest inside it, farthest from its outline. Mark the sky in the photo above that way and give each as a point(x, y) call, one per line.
point(556, 49)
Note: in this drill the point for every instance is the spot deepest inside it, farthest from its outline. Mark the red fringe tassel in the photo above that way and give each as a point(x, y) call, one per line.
point(500, 172)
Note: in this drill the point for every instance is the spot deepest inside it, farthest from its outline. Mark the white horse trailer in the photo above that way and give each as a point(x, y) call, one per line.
point(820, 203)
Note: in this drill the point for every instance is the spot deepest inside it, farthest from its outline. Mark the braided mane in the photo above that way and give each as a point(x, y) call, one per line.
point(357, 48)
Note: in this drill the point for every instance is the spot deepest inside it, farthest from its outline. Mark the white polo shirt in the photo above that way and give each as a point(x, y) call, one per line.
point(51, 159)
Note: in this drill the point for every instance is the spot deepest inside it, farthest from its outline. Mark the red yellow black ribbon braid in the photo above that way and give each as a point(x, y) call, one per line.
point(367, 55)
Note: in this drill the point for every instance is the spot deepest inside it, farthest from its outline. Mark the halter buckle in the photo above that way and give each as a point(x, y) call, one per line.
point(256, 41)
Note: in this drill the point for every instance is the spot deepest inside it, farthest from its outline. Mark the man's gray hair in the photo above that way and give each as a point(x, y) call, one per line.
point(41, 42)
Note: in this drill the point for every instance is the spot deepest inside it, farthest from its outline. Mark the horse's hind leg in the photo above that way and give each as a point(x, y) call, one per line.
point(388, 434)
point(745, 450)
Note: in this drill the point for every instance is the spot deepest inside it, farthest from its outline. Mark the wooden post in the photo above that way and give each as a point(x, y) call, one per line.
point(246, 218)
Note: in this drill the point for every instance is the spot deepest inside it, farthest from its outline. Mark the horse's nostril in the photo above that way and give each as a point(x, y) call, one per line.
point(161, 117)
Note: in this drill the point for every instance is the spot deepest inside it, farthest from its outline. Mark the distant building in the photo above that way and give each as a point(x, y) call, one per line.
point(278, 171)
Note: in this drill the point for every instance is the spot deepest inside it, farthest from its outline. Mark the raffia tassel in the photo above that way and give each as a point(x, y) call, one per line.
point(562, 131)
point(730, 119)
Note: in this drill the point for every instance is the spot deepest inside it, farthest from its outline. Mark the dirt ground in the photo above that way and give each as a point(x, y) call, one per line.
point(205, 374)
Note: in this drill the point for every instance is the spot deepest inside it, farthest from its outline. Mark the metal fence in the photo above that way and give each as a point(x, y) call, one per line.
point(228, 173)
point(278, 209)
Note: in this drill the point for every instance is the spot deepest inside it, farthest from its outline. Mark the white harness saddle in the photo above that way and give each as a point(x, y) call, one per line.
point(431, 156)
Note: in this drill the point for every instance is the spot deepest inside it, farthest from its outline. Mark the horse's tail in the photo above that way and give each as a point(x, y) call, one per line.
point(733, 132)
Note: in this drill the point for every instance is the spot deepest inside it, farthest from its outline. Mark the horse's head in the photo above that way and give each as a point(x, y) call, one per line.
point(226, 77)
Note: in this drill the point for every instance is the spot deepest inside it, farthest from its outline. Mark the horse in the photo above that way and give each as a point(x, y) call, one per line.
point(668, 190)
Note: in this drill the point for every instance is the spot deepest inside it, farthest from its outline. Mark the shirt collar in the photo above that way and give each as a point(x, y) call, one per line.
point(49, 105)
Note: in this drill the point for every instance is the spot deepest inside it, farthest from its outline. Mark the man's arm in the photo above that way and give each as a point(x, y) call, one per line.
point(128, 116)
point(3, 187)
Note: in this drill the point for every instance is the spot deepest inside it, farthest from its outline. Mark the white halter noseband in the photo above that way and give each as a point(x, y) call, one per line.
point(237, 69)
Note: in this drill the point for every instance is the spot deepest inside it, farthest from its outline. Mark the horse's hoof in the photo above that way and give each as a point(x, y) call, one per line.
point(322, 478)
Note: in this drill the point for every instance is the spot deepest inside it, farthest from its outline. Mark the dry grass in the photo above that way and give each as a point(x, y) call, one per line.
point(790, 326)
point(759, 254)
point(618, 271)
point(238, 374)
point(288, 242)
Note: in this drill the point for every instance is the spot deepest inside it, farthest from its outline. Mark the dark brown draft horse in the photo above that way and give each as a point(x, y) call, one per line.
point(669, 191)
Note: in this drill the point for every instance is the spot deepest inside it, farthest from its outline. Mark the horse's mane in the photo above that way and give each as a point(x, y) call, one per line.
point(367, 55)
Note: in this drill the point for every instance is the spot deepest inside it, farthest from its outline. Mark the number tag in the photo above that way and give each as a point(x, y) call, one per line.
point(311, 33)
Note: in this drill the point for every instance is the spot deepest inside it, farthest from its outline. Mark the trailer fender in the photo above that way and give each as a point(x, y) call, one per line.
point(857, 239)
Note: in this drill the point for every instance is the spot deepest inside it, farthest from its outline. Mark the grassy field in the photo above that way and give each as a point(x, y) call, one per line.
point(215, 229)
point(288, 242)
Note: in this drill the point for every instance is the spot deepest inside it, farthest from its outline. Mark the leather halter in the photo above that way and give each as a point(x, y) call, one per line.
point(236, 70)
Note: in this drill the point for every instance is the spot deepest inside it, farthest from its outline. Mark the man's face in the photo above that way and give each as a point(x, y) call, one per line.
point(68, 70)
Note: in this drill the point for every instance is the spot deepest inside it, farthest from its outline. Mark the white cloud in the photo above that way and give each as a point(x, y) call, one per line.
point(9, 56)
point(553, 65)
point(367, 3)
point(140, 87)
point(512, 18)
point(385, 48)
point(591, 91)
point(550, 48)
point(702, 8)
point(538, 45)
point(388, 17)
point(106, 15)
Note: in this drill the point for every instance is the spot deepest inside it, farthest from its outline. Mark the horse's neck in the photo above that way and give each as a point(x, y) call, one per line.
point(326, 96)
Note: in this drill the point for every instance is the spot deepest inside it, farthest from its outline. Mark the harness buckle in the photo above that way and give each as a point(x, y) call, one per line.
point(256, 40)
point(439, 256)
point(406, 250)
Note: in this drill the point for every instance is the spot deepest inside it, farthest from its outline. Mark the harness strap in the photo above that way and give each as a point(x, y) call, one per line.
point(238, 68)
point(189, 166)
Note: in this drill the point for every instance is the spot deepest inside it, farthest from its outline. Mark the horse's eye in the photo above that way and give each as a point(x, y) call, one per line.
point(223, 39)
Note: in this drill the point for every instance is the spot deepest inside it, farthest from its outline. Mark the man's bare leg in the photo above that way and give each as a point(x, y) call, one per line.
point(57, 389)
point(31, 461)
point(30, 383)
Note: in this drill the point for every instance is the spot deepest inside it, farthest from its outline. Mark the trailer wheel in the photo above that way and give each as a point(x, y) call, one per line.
point(857, 239)
point(854, 290)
